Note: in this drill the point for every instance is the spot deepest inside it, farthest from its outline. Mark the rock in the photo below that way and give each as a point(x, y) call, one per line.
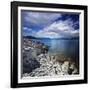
point(65, 67)
point(73, 69)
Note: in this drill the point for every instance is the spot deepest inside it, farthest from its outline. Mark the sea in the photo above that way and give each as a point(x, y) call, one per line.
point(67, 47)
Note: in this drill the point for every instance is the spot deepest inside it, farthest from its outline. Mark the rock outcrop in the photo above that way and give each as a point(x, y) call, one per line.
point(38, 62)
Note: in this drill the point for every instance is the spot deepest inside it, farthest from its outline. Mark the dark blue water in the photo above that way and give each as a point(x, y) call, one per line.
point(68, 47)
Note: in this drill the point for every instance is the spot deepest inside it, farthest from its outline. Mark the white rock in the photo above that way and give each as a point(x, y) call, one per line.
point(65, 67)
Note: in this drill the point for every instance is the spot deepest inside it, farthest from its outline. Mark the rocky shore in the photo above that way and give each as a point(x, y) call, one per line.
point(37, 61)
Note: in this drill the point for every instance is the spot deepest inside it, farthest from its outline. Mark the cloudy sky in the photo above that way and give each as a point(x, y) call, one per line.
point(51, 25)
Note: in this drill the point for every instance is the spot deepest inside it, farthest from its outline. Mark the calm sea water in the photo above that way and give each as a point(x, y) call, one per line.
point(67, 47)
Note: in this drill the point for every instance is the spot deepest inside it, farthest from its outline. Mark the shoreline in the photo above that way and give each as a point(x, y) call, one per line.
point(42, 63)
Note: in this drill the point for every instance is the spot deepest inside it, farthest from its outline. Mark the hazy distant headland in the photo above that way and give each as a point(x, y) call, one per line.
point(67, 38)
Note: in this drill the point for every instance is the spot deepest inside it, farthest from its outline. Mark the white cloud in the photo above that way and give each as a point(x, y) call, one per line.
point(47, 34)
point(59, 29)
point(28, 31)
point(39, 18)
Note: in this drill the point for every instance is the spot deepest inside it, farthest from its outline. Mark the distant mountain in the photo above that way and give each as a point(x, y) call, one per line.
point(30, 37)
point(68, 38)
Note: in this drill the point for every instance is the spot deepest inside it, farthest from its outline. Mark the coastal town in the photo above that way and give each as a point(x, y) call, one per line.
point(37, 61)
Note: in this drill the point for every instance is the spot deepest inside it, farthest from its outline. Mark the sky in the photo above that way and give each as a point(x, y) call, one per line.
point(50, 25)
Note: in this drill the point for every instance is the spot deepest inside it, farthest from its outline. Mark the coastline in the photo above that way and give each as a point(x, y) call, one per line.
point(42, 63)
